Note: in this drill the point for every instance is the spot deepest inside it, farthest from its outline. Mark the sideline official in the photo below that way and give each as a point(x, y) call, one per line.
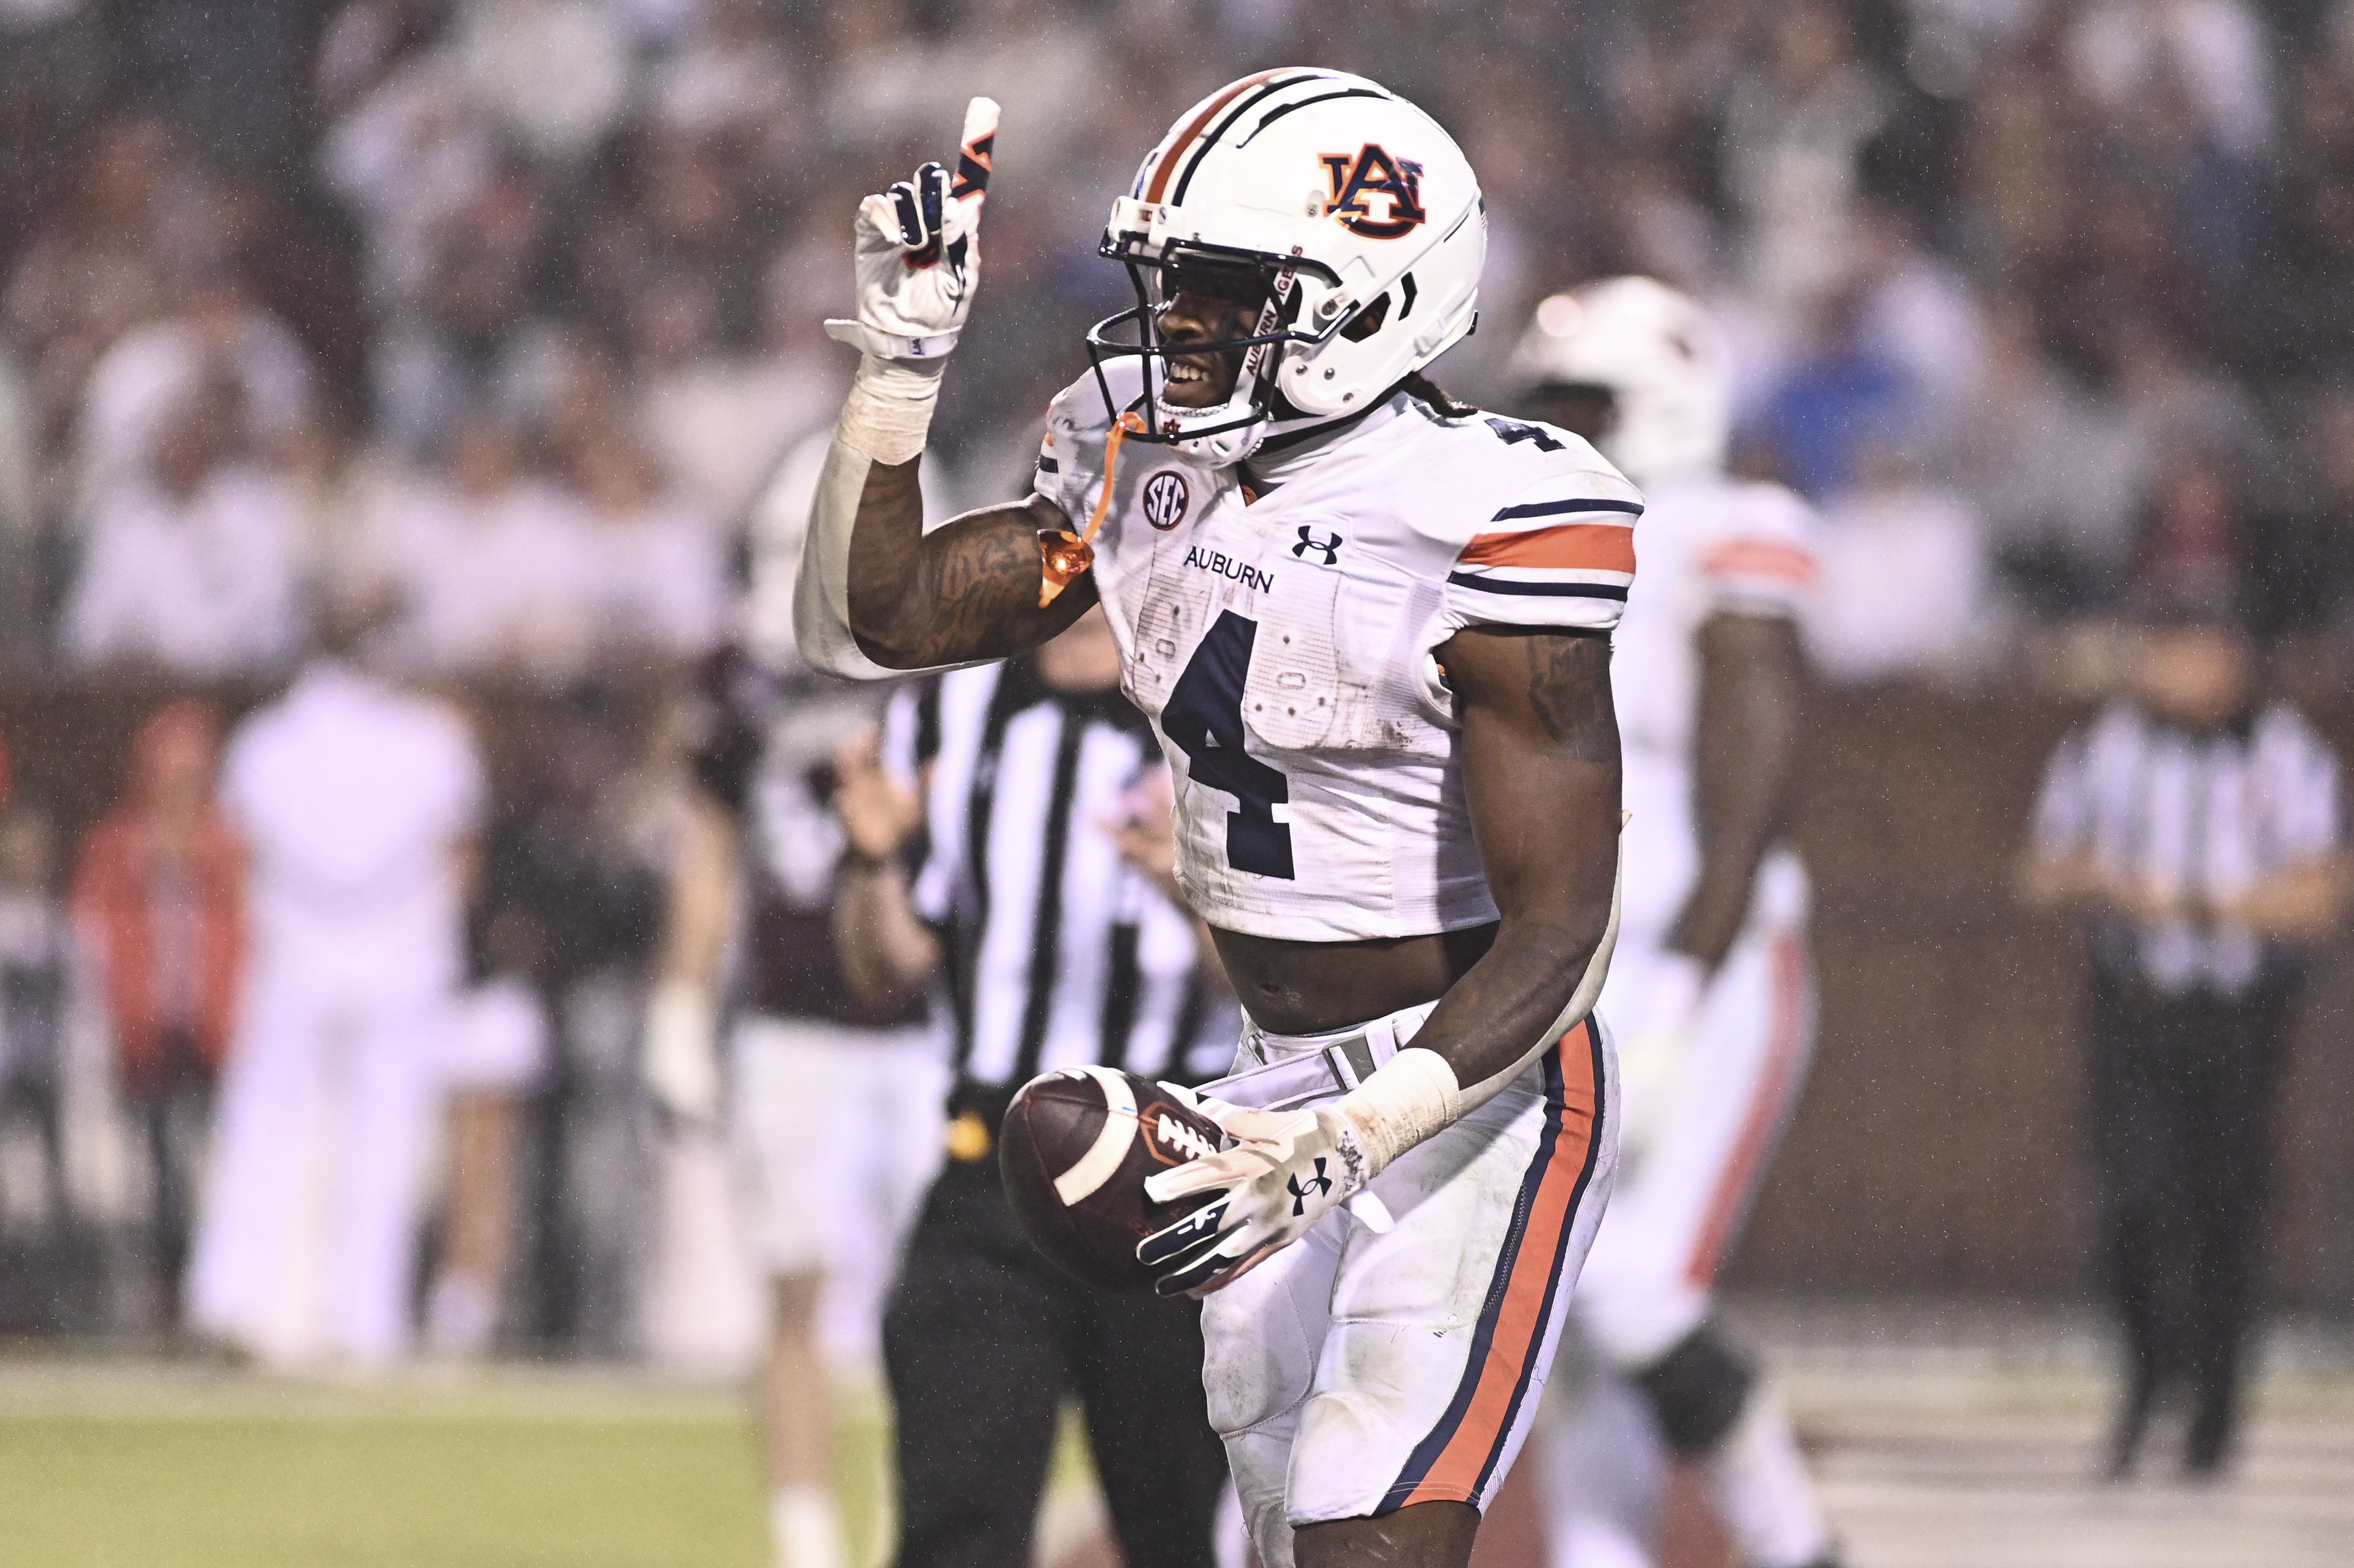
point(2198, 833)
point(1043, 917)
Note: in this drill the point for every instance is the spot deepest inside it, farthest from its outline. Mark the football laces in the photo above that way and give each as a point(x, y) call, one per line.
point(1186, 1140)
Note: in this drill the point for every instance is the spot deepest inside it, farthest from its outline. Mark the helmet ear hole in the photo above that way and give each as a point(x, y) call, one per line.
point(1368, 321)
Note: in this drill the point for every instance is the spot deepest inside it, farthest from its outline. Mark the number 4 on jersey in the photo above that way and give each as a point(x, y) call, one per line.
point(1203, 716)
point(1511, 432)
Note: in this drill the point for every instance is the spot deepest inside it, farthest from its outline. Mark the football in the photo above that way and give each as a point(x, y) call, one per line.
point(1076, 1148)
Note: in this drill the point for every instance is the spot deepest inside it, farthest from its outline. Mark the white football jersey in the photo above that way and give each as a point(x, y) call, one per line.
point(1707, 546)
point(1282, 645)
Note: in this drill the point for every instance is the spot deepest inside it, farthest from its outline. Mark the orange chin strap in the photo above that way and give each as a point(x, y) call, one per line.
point(1064, 555)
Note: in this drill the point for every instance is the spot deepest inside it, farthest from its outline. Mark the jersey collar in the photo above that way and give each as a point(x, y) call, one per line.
point(1265, 470)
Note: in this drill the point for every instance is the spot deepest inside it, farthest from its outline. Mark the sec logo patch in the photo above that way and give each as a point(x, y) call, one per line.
point(1165, 498)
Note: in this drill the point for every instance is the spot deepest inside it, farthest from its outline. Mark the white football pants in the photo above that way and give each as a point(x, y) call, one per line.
point(307, 1238)
point(1681, 1198)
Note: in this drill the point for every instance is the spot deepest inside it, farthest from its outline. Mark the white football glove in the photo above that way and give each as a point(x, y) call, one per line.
point(918, 252)
point(1285, 1170)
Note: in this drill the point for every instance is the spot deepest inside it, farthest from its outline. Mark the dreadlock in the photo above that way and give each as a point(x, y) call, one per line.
point(1423, 389)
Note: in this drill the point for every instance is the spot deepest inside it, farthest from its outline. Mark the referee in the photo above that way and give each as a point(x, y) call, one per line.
point(2197, 833)
point(1043, 917)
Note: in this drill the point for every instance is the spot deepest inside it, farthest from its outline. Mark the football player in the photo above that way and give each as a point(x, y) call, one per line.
point(1709, 989)
point(1372, 627)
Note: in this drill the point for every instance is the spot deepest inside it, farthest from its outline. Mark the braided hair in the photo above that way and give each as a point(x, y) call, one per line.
point(1423, 389)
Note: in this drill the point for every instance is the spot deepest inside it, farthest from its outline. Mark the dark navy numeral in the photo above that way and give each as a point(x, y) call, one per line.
point(1203, 717)
point(1511, 432)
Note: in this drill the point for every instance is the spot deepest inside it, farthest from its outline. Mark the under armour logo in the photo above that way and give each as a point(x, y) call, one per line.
point(1318, 1185)
point(1330, 545)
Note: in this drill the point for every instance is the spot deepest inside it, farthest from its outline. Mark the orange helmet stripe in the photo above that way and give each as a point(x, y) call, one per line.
point(1158, 184)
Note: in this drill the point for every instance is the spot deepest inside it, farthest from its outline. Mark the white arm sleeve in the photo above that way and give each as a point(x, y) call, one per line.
point(883, 420)
point(822, 588)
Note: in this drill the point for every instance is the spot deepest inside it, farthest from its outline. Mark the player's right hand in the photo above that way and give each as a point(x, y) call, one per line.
point(918, 252)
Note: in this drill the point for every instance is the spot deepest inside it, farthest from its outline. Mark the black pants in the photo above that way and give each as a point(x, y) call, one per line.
point(983, 1340)
point(2181, 1095)
point(173, 1109)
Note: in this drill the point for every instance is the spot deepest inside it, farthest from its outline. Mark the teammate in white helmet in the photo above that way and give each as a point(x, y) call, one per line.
point(1372, 627)
point(1710, 991)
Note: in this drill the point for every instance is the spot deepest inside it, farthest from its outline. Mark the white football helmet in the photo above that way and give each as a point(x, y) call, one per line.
point(1356, 210)
point(1661, 358)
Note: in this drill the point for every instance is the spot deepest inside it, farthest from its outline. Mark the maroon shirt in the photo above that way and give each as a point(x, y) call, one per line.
point(764, 751)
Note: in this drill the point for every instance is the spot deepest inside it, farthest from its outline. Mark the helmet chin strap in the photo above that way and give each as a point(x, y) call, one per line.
point(1220, 448)
point(1278, 423)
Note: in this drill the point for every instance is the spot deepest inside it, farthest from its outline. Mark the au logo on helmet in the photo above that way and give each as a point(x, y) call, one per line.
point(1371, 172)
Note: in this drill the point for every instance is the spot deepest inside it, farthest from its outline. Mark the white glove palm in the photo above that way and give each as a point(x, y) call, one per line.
point(918, 252)
point(1285, 1170)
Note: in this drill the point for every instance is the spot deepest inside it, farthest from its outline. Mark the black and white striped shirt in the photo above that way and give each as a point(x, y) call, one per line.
point(1055, 952)
point(2209, 815)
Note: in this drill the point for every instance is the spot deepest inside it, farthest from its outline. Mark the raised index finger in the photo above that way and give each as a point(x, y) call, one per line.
point(977, 153)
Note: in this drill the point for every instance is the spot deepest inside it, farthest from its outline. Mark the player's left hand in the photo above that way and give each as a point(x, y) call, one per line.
point(1285, 1170)
point(917, 248)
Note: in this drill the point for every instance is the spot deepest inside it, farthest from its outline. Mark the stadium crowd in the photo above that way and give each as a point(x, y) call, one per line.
point(498, 316)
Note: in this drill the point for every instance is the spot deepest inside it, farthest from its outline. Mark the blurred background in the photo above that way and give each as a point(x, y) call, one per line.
point(500, 316)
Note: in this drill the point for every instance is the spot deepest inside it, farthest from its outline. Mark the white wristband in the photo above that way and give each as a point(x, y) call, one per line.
point(889, 409)
point(1413, 1096)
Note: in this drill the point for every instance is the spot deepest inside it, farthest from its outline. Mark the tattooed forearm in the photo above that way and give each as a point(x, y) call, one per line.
point(982, 575)
point(968, 590)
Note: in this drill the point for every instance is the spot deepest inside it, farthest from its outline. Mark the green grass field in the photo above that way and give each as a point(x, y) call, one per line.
point(115, 1466)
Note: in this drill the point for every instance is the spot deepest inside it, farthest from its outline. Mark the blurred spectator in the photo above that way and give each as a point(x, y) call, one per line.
point(23, 526)
point(2195, 546)
point(1796, 128)
point(34, 964)
point(2127, 53)
point(720, 421)
point(1904, 587)
point(552, 74)
point(2056, 475)
point(496, 1049)
point(2176, 405)
point(366, 39)
point(359, 801)
point(96, 269)
point(2307, 325)
point(730, 78)
point(199, 570)
point(571, 899)
point(151, 372)
point(457, 345)
point(158, 904)
point(2301, 558)
point(2196, 831)
point(1843, 394)
point(406, 157)
point(663, 579)
point(496, 566)
point(1915, 311)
